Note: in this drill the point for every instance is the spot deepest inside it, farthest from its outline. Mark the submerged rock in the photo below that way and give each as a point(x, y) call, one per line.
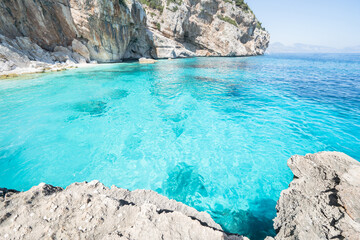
point(93, 211)
point(92, 107)
point(322, 201)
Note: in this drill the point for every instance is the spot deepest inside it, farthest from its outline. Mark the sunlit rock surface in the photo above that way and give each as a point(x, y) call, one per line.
point(323, 200)
point(205, 28)
point(93, 211)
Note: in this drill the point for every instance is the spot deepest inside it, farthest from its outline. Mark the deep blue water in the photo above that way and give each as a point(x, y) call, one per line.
point(214, 133)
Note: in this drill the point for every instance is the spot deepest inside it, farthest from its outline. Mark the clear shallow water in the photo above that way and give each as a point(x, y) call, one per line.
point(214, 133)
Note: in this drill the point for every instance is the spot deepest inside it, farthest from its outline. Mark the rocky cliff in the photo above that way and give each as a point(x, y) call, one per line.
point(204, 28)
point(47, 32)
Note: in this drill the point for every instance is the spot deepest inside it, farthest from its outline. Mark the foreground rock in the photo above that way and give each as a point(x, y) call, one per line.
point(49, 32)
point(323, 200)
point(93, 211)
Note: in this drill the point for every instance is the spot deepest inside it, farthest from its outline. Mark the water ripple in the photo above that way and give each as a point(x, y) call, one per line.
point(214, 133)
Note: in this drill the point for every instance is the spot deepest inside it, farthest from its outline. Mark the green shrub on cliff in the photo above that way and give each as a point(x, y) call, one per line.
point(227, 19)
point(154, 4)
point(259, 25)
point(243, 5)
point(158, 26)
point(174, 9)
point(239, 3)
point(178, 2)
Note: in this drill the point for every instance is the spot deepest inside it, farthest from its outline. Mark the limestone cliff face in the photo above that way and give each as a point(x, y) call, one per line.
point(113, 30)
point(184, 28)
point(107, 26)
point(48, 23)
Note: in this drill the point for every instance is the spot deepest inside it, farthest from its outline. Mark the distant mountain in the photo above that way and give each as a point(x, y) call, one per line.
point(355, 49)
point(306, 48)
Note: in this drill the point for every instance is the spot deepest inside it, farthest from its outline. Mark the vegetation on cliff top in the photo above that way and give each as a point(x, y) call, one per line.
point(259, 25)
point(157, 4)
point(241, 4)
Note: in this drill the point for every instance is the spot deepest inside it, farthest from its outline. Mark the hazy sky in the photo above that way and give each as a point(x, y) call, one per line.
point(334, 23)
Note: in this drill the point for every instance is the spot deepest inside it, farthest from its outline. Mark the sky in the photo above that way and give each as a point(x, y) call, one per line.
point(333, 23)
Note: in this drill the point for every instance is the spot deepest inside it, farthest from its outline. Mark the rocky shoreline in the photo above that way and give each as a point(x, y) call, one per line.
point(323, 199)
point(322, 202)
point(21, 56)
point(93, 211)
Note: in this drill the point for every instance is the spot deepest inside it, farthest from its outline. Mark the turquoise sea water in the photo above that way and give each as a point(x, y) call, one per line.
point(214, 133)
